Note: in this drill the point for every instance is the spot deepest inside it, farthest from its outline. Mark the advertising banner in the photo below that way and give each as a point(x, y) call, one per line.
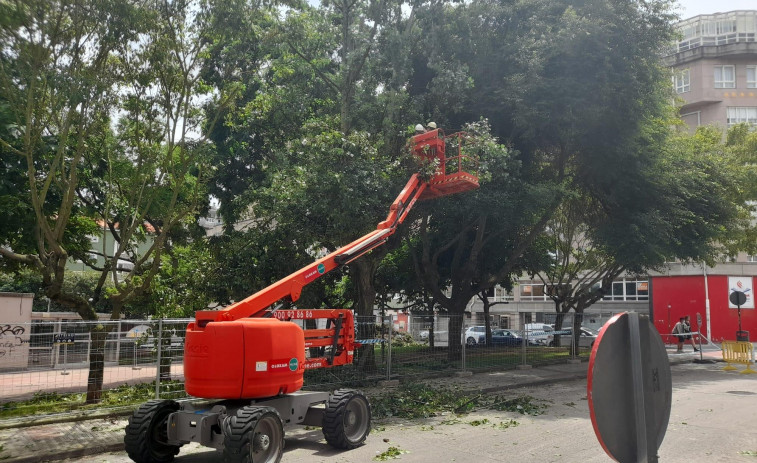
point(744, 285)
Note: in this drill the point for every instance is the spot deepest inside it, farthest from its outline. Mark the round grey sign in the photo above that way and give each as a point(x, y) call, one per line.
point(629, 388)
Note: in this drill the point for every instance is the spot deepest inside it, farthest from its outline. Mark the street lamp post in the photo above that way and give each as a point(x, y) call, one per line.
point(669, 329)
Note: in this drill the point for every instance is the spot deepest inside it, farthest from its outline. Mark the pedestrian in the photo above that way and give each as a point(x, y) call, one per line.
point(678, 331)
point(689, 336)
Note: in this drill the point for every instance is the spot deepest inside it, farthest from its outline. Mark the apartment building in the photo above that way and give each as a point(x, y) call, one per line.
point(715, 68)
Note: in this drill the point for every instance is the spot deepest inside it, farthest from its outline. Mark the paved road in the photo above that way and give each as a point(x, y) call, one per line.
point(713, 419)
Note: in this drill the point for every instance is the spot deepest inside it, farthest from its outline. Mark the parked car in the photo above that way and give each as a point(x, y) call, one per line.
point(438, 336)
point(540, 333)
point(504, 337)
point(473, 334)
point(586, 337)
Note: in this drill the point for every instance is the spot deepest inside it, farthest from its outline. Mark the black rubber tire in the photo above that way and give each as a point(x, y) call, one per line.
point(470, 341)
point(147, 433)
point(253, 435)
point(347, 419)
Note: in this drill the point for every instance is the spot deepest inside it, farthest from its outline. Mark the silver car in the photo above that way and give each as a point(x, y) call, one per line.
point(586, 337)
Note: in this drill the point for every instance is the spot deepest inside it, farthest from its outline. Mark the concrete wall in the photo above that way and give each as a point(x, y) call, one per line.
point(15, 330)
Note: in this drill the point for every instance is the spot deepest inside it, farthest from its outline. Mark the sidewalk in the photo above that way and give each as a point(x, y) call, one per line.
point(52, 442)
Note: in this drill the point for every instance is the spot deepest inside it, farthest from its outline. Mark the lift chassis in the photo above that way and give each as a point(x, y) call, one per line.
point(249, 358)
point(246, 431)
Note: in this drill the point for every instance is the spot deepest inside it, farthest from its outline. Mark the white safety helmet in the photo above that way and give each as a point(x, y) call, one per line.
point(419, 128)
point(432, 126)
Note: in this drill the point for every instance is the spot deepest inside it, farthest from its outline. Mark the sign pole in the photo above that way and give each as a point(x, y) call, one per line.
point(65, 360)
point(738, 298)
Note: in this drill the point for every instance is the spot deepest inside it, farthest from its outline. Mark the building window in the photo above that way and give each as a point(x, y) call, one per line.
point(501, 294)
point(751, 258)
point(682, 81)
point(726, 25)
point(751, 76)
point(725, 77)
point(627, 290)
point(737, 115)
point(532, 292)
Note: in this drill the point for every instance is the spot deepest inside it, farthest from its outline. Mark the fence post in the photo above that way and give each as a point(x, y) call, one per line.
point(157, 365)
point(389, 352)
point(522, 321)
point(118, 343)
point(89, 346)
point(464, 344)
point(56, 347)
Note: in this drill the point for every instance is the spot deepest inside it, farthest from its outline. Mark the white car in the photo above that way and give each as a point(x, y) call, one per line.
point(473, 333)
point(540, 333)
point(585, 339)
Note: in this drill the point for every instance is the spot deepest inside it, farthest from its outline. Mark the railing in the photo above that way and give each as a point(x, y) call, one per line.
point(46, 362)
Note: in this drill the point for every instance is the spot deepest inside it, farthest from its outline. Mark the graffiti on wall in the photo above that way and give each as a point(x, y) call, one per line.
point(10, 339)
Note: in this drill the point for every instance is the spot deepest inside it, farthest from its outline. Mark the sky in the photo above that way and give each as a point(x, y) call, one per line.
point(689, 8)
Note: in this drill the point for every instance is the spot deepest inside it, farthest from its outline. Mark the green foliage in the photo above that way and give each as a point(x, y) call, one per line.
point(479, 422)
point(523, 404)
point(506, 424)
point(82, 284)
point(415, 400)
point(392, 453)
point(180, 287)
point(52, 402)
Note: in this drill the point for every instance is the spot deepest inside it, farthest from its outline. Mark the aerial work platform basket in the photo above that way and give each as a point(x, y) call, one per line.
point(454, 167)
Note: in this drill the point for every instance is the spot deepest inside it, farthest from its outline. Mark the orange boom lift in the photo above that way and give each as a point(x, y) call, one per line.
point(252, 356)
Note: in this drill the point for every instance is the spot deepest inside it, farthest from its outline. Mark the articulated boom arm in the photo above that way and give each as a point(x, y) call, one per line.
point(290, 287)
point(450, 177)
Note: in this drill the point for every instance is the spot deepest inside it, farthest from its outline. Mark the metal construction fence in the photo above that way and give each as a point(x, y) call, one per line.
point(50, 362)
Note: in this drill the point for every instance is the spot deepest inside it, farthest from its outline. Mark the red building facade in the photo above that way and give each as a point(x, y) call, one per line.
point(676, 296)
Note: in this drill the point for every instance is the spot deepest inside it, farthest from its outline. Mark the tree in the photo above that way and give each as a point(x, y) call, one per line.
point(69, 67)
point(696, 214)
point(579, 267)
point(528, 62)
point(311, 138)
point(470, 242)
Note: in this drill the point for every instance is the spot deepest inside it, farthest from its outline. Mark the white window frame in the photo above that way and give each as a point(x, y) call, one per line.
point(738, 114)
point(682, 81)
point(751, 76)
point(751, 258)
point(637, 287)
point(719, 78)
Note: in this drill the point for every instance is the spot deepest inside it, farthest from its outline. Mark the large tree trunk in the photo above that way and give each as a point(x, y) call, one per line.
point(578, 320)
point(98, 333)
point(487, 323)
point(455, 329)
point(363, 271)
point(559, 320)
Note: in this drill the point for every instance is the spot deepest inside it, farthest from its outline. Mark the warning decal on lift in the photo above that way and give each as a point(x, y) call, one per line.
point(314, 273)
point(285, 364)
